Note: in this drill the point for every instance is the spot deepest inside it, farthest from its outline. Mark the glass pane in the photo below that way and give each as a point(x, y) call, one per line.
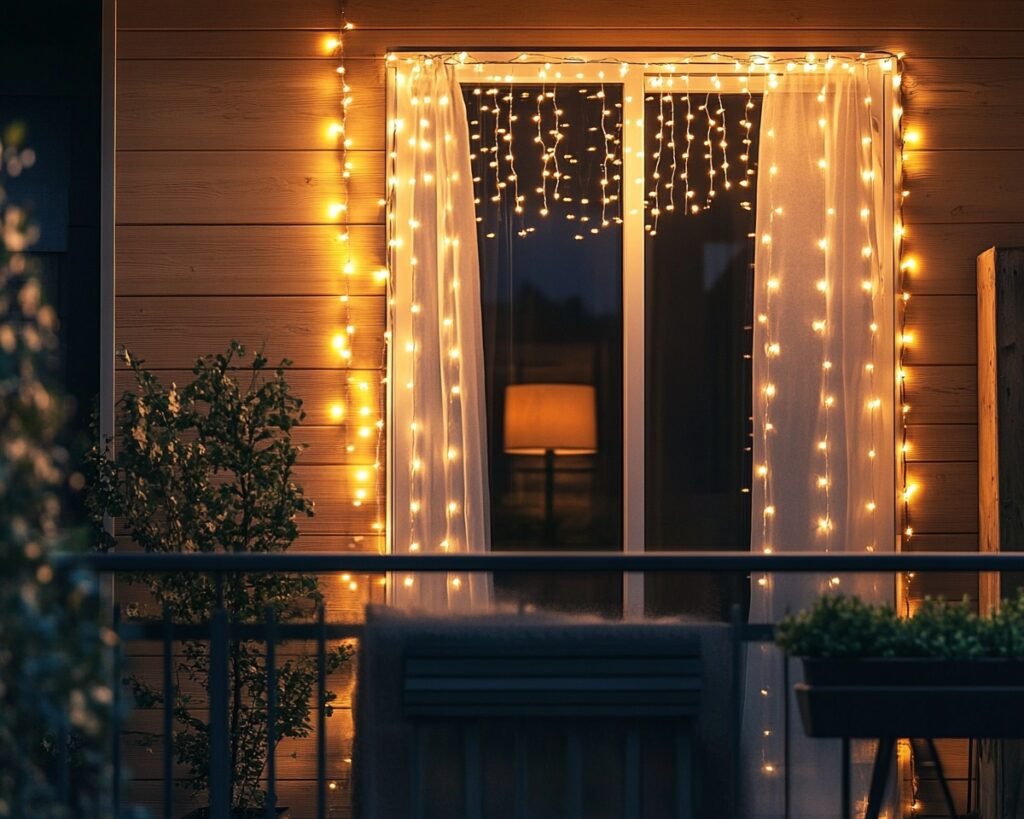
point(552, 319)
point(699, 295)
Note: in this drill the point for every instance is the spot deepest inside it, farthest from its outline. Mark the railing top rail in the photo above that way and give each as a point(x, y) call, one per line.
point(709, 561)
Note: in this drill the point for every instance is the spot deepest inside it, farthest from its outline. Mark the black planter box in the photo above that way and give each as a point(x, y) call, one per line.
point(912, 697)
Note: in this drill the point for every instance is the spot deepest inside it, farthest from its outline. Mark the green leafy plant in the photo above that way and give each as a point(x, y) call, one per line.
point(209, 468)
point(841, 626)
point(54, 699)
point(838, 626)
point(945, 630)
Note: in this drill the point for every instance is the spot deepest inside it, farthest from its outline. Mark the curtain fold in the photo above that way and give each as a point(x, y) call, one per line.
point(441, 502)
point(824, 385)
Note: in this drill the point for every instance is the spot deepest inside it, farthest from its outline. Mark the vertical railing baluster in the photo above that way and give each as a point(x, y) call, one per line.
point(271, 803)
point(168, 713)
point(522, 773)
point(573, 774)
point(321, 714)
point(416, 772)
point(115, 722)
point(685, 808)
point(631, 778)
point(220, 769)
point(472, 778)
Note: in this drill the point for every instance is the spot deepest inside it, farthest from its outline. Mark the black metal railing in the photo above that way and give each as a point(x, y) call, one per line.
point(220, 632)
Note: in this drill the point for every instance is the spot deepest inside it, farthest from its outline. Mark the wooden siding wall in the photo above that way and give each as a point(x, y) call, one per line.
point(224, 173)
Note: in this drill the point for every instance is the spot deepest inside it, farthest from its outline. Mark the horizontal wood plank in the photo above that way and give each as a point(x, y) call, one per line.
point(333, 491)
point(319, 390)
point(943, 395)
point(925, 542)
point(295, 757)
point(231, 44)
point(245, 187)
point(915, 42)
point(337, 445)
point(947, 498)
point(611, 14)
point(943, 330)
point(946, 255)
point(170, 332)
point(339, 514)
point(962, 187)
point(975, 104)
point(943, 442)
point(228, 14)
point(244, 260)
point(948, 585)
point(245, 104)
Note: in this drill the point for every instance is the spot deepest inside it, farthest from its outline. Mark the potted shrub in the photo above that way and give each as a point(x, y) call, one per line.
point(208, 467)
point(944, 672)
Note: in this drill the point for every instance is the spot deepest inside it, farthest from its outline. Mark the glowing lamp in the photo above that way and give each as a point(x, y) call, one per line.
point(550, 420)
point(560, 419)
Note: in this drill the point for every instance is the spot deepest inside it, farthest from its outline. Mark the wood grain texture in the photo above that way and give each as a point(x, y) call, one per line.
point(333, 491)
point(925, 542)
point(944, 330)
point(170, 332)
point(693, 14)
point(244, 260)
point(943, 442)
point(965, 186)
point(916, 42)
point(296, 757)
point(273, 44)
point(988, 418)
point(947, 500)
point(333, 488)
point(228, 14)
point(943, 395)
point(947, 254)
point(318, 389)
point(245, 187)
point(973, 104)
point(244, 104)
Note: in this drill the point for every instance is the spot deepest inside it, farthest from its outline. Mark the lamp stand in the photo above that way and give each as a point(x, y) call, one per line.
point(549, 496)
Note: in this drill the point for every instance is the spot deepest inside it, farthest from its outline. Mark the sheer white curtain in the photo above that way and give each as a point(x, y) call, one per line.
point(823, 385)
point(439, 443)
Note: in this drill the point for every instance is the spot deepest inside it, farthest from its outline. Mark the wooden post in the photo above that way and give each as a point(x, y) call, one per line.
point(1000, 414)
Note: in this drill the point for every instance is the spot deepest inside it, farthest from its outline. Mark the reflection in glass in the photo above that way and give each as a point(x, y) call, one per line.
point(551, 292)
point(699, 302)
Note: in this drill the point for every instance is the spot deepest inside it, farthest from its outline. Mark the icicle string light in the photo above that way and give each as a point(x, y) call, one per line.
point(669, 78)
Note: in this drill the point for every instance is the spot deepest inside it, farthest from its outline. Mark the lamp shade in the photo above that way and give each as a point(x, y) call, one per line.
point(557, 417)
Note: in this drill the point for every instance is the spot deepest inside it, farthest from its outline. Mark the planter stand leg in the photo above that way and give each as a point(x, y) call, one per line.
point(880, 776)
point(941, 774)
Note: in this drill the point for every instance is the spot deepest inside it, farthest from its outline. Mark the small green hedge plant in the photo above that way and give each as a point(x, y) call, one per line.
point(842, 627)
